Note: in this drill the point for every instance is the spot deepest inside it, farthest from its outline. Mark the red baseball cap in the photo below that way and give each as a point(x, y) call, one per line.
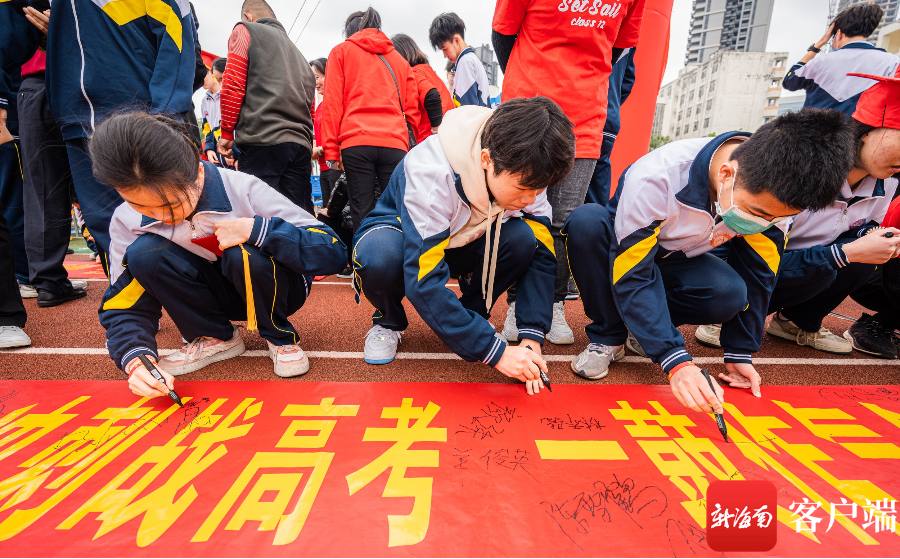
point(879, 105)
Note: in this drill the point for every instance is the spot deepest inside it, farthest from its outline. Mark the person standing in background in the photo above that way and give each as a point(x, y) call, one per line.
point(146, 62)
point(327, 175)
point(621, 80)
point(451, 72)
point(267, 103)
point(434, 98)
point(825, 79)
point(210, 110)
point(573, 69)
point(372, 104)
point(470, 82)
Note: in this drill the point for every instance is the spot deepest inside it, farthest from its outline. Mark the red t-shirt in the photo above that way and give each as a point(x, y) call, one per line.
point(564, 52)
point(892, 218)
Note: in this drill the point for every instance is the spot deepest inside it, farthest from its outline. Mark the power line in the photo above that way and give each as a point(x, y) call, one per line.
point(308, 20)
point(295, 18)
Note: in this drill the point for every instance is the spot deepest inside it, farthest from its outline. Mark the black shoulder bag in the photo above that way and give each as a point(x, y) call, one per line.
point(409, 129)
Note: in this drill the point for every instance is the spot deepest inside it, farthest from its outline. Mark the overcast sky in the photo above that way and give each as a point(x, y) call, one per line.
point(795, 25)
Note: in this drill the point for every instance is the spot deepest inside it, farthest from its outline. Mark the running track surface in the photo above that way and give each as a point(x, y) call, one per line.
point(68, 342)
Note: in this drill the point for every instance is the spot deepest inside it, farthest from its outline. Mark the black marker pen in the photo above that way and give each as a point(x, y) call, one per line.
point(156, 374)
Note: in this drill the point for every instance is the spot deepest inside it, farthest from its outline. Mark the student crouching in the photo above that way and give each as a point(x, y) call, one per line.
point(469, 202)
point(642, 263)
point(174, 203)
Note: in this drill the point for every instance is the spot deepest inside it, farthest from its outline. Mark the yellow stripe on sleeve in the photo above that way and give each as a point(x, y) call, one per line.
point(429, 260)
point(541, 233)
point(126, 298)
point(125, 11)
point(630, 258)
point(766, 249)
point(333, 240)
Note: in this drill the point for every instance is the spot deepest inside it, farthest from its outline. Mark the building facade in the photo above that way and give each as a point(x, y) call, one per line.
point(741, 25)
point(889, 7)
point(491, 67)
point(731, 91)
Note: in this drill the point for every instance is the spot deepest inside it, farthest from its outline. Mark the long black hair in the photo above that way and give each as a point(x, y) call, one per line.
point(357, 21)
point(408, 49)
point(152, 153)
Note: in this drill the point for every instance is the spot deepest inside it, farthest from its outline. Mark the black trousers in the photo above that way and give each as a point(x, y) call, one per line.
point(12, 311)
point(882, 294)
point(48, 190)
point(285, 167)
point(327, 178)
point(363, 165)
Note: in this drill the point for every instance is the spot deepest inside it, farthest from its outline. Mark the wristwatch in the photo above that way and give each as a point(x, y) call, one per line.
point(814, 48)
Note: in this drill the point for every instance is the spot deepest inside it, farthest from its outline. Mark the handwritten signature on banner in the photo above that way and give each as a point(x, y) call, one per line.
point(143, 462)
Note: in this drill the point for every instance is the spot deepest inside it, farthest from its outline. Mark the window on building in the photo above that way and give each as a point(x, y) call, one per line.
point(690, 95)
point(682, 99)
point(770, 103)
point(703, 73)
point(700, 91)
point(774, 83)
point(678, 131)
point(680, 114)
point(688, 113)
point(706, 123)
point(694, 77)
point(696, 124)
point(699, 106)
point(684, 82)
point(767, 120)
point(715, 67)
point(712, 86)
point(687, 128)
point(709, 104)
point(779, 63)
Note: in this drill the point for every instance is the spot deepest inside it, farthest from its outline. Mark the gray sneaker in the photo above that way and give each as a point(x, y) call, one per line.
point(510, 330)
point(632, 344)
point(560, 333)
point(381, 345)
point(593, 363)
point(79, 283)
point(13, 336)
point(823, 340)
point(708, 335)
point(27, 291)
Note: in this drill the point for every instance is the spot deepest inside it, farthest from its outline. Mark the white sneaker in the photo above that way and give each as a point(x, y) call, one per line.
point(290, 360)
point(510, 330)
point(13, 336)
point(201, 352)
point(823, 340)
point(381, 345)
point(27, 291)
point(593, 363)
point(635, 346)
point(560, 333)
point(79, 283)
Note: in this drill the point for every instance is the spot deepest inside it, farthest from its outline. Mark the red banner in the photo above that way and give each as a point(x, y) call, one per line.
point(84, 270)
point(429, 469)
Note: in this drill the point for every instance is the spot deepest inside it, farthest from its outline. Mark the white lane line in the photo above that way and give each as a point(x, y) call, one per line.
point(836, 362)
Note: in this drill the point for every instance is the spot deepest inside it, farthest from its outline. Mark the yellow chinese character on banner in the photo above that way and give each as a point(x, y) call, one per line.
point(85, 451)
point(270, 513)
point(19, 430)
point(160, 509)
point(410, 529)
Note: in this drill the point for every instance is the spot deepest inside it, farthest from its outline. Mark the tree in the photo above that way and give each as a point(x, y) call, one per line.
point(658, 141)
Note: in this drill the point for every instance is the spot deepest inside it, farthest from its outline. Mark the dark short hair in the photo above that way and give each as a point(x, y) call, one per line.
point(408, 49)
point(357, 21)
point(860, 129)
point(219, 64)
point(138, 150)
point(859, 20)
point(444, 27)
point(259, 7)
point(319, 65)
point(450, 66)
point(532, 138)
point(802, 158)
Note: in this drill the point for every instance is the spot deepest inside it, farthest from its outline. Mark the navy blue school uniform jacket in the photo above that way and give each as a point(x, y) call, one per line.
point(825, 77)
point(20, 40)
point(662, 209)
point(438, 199)
point(281, 230)
point(817, 238)
point(105, 56)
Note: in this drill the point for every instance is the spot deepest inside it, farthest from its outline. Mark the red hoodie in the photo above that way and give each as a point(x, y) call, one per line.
point(426, 80)
point(363, 108)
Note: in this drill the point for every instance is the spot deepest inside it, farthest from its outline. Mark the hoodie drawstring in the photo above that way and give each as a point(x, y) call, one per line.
point(487, 278)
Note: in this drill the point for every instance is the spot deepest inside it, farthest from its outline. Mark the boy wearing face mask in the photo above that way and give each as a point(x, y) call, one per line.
point(641, 263)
